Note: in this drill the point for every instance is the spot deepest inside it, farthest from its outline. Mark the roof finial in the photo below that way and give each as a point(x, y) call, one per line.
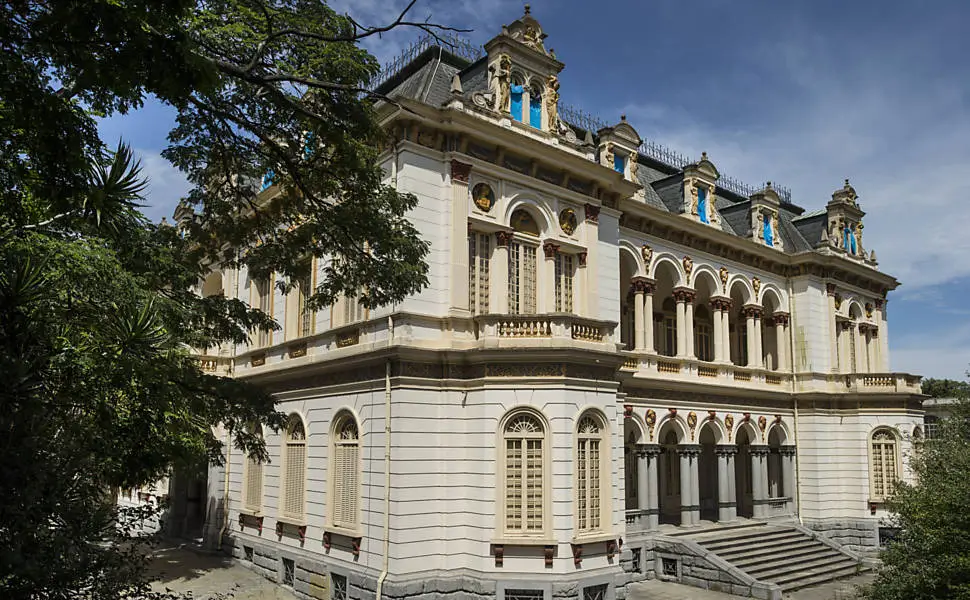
point(847, 183)
point(768, 185)
point(528, 9)
point(703, 155)
point(623, 118)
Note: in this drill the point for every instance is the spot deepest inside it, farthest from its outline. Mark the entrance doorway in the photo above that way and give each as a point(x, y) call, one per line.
point(707, 474)
point(669, 475)
point(742, 474)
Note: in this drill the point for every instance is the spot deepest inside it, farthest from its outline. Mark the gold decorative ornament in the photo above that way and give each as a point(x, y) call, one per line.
point(762, 425)
point(724, 278)
point(729, 425)
point(692, 423)
point(838, 302)
point(651, 420)
point(868, 310)
point(647, 253)
point(483, 196)
point(568, 221)
point(688, 266)
point(756, 284)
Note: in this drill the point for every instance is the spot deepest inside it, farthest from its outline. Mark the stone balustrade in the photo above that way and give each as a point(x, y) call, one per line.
point(556, 326)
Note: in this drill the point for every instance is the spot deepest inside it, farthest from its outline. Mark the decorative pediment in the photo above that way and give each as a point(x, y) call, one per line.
point(764, 217)
point(844, 229)
point(527, 31)
point(703, 169)
point(700, 182)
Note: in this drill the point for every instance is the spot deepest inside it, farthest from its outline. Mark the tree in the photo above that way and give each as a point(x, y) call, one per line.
point(97, 305)
point(945, 388)
point(930, 558)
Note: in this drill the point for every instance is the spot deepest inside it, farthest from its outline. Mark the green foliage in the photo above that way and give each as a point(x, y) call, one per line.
point(931, 557)
point(98, 307)
point(946, 388)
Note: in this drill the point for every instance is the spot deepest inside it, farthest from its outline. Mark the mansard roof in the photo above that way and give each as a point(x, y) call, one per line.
point(427, 78)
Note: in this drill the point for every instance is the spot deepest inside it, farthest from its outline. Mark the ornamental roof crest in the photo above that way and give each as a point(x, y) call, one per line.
point(528, 31)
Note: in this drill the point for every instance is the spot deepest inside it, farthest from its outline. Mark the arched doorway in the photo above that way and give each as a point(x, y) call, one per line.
point(776, 476)
point(743, 474)
point(669, 475)
point(707, 472)
point(631, 436)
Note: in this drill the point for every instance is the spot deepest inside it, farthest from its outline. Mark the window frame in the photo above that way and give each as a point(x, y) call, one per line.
point(305, 317)
point(353, 528)
point(580, 476)
point(249, 466)
point(479, 271)
point(287, 467)
point(564, 286)
point(895, 443)
point(263, 338)
point(518, 268)
point(503, 532)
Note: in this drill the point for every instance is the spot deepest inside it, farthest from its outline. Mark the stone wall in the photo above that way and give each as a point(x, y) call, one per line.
point(852, 534)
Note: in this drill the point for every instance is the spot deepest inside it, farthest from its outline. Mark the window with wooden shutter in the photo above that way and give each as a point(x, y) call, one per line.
point(524, 475)
point(883, 468)
point(564, 282)
point(345, 474)
point(589, 473)
point(522, 278)
point(264, 302)
point(253, 493)
point(305, 291)
point(294, 470)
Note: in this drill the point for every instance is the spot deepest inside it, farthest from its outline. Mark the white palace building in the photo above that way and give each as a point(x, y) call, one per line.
point(625, 366)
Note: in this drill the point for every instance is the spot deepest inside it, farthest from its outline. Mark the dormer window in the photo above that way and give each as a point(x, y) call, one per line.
point(619, 163)
point(848, 240)
point(517, 96)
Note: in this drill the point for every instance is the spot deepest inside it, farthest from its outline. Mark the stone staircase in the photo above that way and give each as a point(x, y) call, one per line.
point(787, 556)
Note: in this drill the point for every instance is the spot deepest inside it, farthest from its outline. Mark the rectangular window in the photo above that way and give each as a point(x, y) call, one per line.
point(305, 290)
point(346, 456)
point(619, 163)
point(523, 489)
point(352, 310)
point(588, 478)
point(264, 302)
point(564, 283)
point(519, 594)
point(596, 592)
point(516, 102)
point(702, 341)
point(670, 335)
point(289, 572)
point(338, 586)
point(702, 204)
point(248, 554)
point(522, 279)
point(479, 255)
point(883, 468)
point(254, 485)
point(743, 344)
point(535, 110)
point(853, 365)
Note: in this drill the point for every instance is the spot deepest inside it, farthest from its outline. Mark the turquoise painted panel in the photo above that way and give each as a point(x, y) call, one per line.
point(516, 107)
point(535, 112)
point(702, 204)
point(618, 163)
point(769, 235)
point(845, 238)
point(267, 180)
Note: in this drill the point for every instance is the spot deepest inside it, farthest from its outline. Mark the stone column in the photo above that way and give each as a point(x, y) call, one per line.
point(648, 335)
point(759, 352)
point(749, 322)
point(546, 279)
point(759, 480)
point(865, 360)
point(833, 346)
point(788, 475)
point(638, 326)
point(459, 235)
point(718, 330)
point(727, 504)
point(500, 273)
point(883, 335)
point(781, 340)
point(685, 321)
point(690, 506)
point(726, 324)
point(647, 484)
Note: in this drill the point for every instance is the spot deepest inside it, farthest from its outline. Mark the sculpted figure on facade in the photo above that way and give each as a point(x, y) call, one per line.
point(647, 253)
point(552, 102)
point(502, 83)
point(634, 165)
point(608, 155)
point(724, 278)
point(688, 266)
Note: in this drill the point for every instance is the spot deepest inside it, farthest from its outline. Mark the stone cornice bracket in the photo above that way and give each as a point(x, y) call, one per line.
point(592, 213)
point(460, 171)
point(503, 238)
point(684, 294)
point(550, 249)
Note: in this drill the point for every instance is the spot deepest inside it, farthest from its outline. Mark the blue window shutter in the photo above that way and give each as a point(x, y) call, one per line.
point(535, 111)
point(852, 239)
point(845, 238)
point(769, 235)
point(516, 107)
point(267, 180)
point(618, 163)
point(702, 204)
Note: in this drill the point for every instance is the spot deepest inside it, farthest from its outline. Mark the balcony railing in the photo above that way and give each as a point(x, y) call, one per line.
point(552, 327)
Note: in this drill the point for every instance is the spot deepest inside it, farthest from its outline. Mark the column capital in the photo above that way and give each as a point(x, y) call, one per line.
point(502, 238)
point(460, 171)
point(721, 303)
point(865, 327)
point(752, 311)
point(684, 294)
point(648, 450)
point(879, 303)
point(725, 449)
point(550, 248)
point(780, 318)
point(830, 289)
point(643, 285)
point(787, 450)
point(759, 450)
point(689, 449)
point(846, 324)
point(582, 258)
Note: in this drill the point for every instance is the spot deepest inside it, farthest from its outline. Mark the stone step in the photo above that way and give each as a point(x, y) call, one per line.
point(801, 551)
point(784, 568)
point(745, 542)
point(805, 580)
point(717, 529)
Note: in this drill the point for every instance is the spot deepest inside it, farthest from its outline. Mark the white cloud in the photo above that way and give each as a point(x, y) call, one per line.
point(166, 185)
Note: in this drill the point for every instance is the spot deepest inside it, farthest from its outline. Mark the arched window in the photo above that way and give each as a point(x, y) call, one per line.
point(524, 473)
point(345, 473)
point(522, 263)
point(702, 204)
point(668, 330)
point(535, 106)
point(591, 468)
point(294, 469)
point(703, 336)
point(516, 90)
point(766, 232)
point(883, 463)
point(253, 476)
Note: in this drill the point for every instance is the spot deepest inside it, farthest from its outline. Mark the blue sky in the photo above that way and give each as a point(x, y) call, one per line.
point(802, 93)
